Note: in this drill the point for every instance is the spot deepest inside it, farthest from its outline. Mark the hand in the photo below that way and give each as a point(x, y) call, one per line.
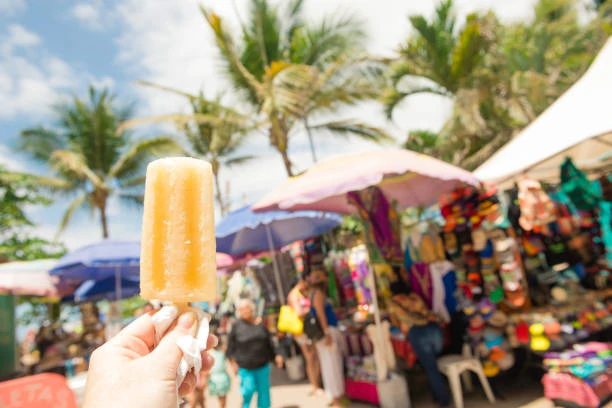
point(129, 371)
point(234, 367)
point(279, 361)
point(328, 340)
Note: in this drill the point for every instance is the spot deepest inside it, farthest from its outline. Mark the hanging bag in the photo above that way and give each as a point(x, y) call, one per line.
point(578, 187)
point(312, 327)
point(289, 321)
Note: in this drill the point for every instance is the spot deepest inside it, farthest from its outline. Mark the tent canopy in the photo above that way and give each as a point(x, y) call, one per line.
point(578, 125)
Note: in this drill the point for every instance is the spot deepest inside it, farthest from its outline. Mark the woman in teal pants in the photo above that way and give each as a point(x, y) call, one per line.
point(250, 349)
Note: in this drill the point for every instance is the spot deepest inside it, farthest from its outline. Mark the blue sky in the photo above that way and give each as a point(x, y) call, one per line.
point(51, 48)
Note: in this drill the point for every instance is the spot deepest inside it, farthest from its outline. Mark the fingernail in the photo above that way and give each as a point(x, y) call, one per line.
point(187, 320)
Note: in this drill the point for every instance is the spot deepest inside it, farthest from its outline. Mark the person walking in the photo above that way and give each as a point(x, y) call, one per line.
point(219, 382)
point(300, 303)
point(328, 348)
point(250, 350)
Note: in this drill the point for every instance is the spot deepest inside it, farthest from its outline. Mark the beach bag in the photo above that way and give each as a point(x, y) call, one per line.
point(289, 321)
point(578, 187)
point(312, 327)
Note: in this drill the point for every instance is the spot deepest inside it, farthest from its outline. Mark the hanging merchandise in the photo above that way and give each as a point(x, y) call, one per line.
point(537, 209)
point(382, 228)
point(606, 187)
point(578, 187)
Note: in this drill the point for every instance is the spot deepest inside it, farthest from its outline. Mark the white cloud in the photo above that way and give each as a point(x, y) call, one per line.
point(31, 79)
point(88, 14)
point(10, 161)
point(17, 36)
point(9, 8)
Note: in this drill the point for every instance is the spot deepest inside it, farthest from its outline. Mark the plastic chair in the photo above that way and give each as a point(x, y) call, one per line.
point(453, 366)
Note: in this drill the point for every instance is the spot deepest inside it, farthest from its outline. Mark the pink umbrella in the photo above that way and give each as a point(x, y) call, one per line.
point(32, 278)
point(224, 260)
point(410, 178)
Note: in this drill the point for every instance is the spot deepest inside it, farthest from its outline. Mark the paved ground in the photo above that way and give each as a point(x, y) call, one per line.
point(286, 394)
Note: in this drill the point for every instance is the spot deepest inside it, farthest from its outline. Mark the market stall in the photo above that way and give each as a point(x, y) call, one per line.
point(375, 186)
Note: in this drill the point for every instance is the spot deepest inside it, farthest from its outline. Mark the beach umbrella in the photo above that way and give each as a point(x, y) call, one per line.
point(92, 290)
point(224, 260)
point(244, 231)
point(32, 278)
point(100, 261)
point(407, 178)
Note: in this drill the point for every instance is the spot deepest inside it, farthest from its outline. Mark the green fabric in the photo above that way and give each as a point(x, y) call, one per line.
point(578, 187)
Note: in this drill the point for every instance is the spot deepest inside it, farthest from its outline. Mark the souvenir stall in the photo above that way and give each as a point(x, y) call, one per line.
point(374, 185)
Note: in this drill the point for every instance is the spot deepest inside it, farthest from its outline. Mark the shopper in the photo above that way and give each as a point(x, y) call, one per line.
point(250, 349)
point(409, 312)
point(300, 303)
point(328, 348)
point(219, 382)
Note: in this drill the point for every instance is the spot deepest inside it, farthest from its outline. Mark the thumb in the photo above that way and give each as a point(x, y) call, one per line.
point(167, 353)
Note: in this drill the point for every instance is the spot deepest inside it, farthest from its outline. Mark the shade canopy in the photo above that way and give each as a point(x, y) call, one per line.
point(32, 278)
point(92, 290)
point(577, 125)
point(411, 179)
point(244, 231)
point(224, 260)
point(99, 261)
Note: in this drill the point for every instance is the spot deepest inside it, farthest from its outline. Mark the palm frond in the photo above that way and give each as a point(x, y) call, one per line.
point(133, 182)
point(76, 204)
point(133, 199)
point(73, 163)
point(391, 97)
point(236, 161)
point(135, 158)
point(40, 142)
point(346, 128)
point(187, 95)
point(225, 44)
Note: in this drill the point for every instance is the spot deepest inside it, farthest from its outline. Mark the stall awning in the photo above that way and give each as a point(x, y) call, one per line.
point(578, 125)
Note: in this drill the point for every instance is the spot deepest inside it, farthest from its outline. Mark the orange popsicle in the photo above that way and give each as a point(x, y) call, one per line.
point(178, 261)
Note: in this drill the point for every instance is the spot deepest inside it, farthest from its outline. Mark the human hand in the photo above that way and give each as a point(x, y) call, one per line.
point(328, 339)
point(279, 361)
point(234, 367)
point(131, 371)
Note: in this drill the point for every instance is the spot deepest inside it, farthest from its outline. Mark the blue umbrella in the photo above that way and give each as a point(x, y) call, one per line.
point(243, 231)
point(105, 289)
point(100, 261)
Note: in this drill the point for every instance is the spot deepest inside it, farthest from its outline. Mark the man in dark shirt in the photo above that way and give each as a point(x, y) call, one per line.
point(250, 349)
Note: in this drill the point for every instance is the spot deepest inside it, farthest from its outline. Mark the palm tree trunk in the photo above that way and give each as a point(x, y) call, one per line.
point(287, 162)
point(310, 139)
point(219, 194)
point(103, 220)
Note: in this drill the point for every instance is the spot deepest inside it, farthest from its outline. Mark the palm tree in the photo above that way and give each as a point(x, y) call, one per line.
point(439, 58)
point(90, 158)
point(499, 77)
point(290, 70)
point(214, 132)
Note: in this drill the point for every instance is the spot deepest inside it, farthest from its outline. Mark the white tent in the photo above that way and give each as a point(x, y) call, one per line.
point(578, 125)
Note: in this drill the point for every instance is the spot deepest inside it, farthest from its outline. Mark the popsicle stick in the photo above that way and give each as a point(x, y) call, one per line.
point(184, 308)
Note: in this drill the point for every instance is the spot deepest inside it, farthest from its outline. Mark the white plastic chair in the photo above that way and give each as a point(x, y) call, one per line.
point(453, 366)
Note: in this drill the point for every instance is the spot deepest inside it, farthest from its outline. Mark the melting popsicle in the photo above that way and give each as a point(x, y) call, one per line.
point(178, 261)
